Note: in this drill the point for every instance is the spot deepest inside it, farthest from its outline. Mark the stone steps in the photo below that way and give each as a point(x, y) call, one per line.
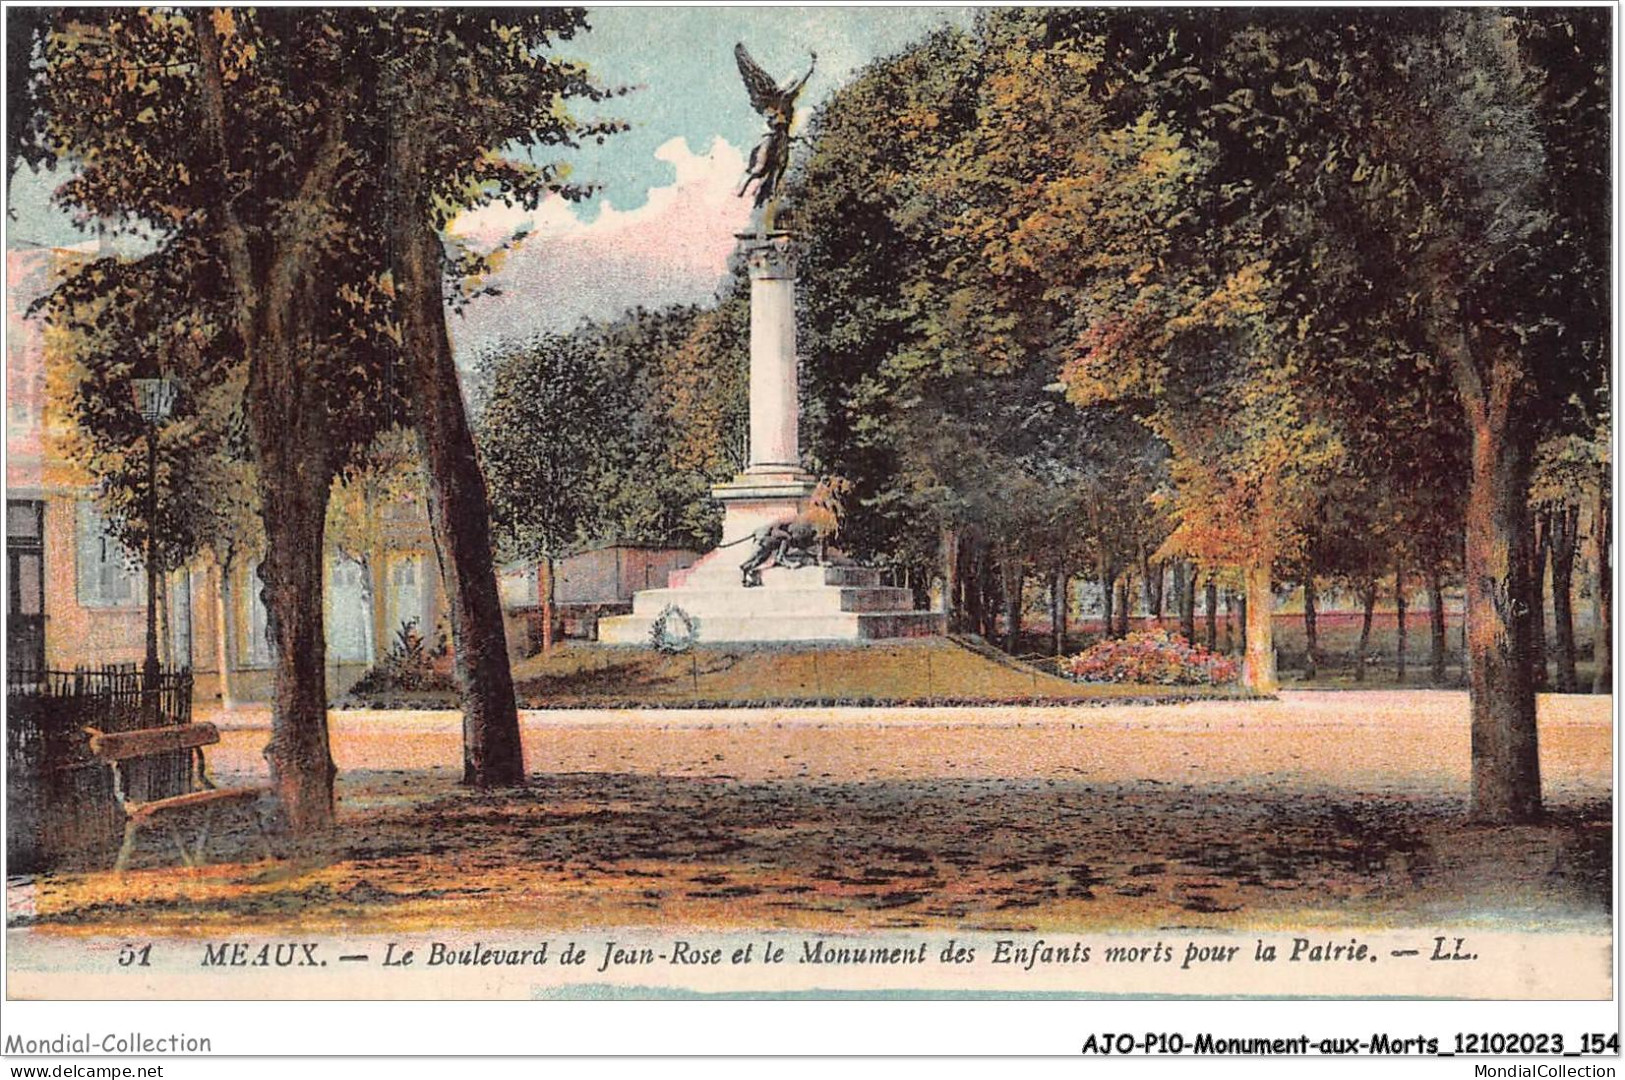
point(809, 603)
point(843, 626)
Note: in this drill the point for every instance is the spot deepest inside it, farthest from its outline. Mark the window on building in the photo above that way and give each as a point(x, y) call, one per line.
point(108, 574)
point(259, 634)
point(25, 521)
point(349, 612)
point(25, 607)
point(406, 594)
point(180, 618)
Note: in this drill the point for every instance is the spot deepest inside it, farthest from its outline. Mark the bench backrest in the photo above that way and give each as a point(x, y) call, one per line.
point(113, 746)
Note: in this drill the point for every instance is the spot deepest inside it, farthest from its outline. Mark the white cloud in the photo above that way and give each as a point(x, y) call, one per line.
point(672, 249)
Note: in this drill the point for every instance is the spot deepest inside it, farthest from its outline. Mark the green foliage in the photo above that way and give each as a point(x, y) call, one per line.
point(122, 99)
point(407, 666)
point(388, 479)
point(930, 378)
point(205, 495)
point(1570, 468)
point(613, 433)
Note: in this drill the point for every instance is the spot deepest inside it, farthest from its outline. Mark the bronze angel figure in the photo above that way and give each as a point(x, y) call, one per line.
point(777, 105)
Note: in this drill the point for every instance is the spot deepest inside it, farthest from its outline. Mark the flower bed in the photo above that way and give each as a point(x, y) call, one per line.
point(1153, 657)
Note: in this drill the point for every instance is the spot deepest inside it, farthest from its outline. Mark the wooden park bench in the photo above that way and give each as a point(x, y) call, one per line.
point(200, 802)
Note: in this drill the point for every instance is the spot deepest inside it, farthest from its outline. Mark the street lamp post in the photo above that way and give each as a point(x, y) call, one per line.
point(154, 398)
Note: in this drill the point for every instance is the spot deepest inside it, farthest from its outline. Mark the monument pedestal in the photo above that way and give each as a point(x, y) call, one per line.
point(810, 603)
point(756, 498)
point(814, 603)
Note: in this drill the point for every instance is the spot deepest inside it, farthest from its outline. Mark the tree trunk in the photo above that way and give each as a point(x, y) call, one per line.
point(1368, 599)
point(950, 577)
point(272, 313)
point(1153, 584)
point(992, 595)
point(1229, 622)
point(1175, 569)
point(1488, 374)
point(960, 603)
point(1057, 611)
point(458, 506)
point(302, 768)
point(1108, 590)
point(1210, 602)
point(1066, 607)
point(1311, 631)
point(1538, 548)
point(1602, 623)
point(383, 634)
point(1013, 574)
point(225, 650)
point(1241, 613)
point(1436, 659)
point(972, 586)
point(1401, 609)
point(1123, 594)
point(1565, 541)
point(1258, 632)
point(545, 591)
point(1506, 756)
point(1187, 604)
point(286, 420)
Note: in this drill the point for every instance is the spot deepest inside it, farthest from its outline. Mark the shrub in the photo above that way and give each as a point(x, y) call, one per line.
point(409, 665)
point(1152, 657)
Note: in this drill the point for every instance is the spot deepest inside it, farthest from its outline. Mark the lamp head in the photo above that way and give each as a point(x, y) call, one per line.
point(154, 398)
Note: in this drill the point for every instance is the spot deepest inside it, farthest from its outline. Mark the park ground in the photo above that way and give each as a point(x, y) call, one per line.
point(1332, 809)
point(963, 670)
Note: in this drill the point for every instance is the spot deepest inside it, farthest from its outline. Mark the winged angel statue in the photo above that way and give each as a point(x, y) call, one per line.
point(777, 104)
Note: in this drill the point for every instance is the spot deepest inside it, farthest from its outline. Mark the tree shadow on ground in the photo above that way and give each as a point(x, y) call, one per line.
point(618, 848)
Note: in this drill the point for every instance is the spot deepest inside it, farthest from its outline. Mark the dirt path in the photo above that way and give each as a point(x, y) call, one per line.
point(1346, 809)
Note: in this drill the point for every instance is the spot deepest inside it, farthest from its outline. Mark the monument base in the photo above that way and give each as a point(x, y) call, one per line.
point(761, 495)
point(812, 603)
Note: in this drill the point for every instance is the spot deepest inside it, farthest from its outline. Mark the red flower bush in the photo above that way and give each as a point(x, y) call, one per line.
point(1152, 657)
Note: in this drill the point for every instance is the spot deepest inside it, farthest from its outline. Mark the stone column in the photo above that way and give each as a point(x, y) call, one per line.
point(773, 486)
point(774, 409)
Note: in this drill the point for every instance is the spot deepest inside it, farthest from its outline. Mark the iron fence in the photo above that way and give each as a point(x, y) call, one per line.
point(60, 800)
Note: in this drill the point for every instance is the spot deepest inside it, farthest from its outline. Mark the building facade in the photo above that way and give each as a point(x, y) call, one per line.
point(77, 598)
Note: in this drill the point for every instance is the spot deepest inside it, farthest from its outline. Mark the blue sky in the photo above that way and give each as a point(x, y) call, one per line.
point(682, 61)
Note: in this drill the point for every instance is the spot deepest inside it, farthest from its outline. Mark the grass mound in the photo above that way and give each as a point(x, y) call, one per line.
point(930, 671)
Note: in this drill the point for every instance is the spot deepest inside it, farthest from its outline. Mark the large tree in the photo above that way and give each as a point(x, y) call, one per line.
point(449, 94)
point(150, 109)
point(1084, 241)
point(1479, 186)
point(1258, 228)
point(1435, 179)
point(930, 380)
point(258, 150)
point(187, 498)
point(612, 433)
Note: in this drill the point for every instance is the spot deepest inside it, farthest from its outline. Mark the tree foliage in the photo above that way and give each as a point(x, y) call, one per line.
point(293, 247)
point(614, 433)
point(931, 376)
